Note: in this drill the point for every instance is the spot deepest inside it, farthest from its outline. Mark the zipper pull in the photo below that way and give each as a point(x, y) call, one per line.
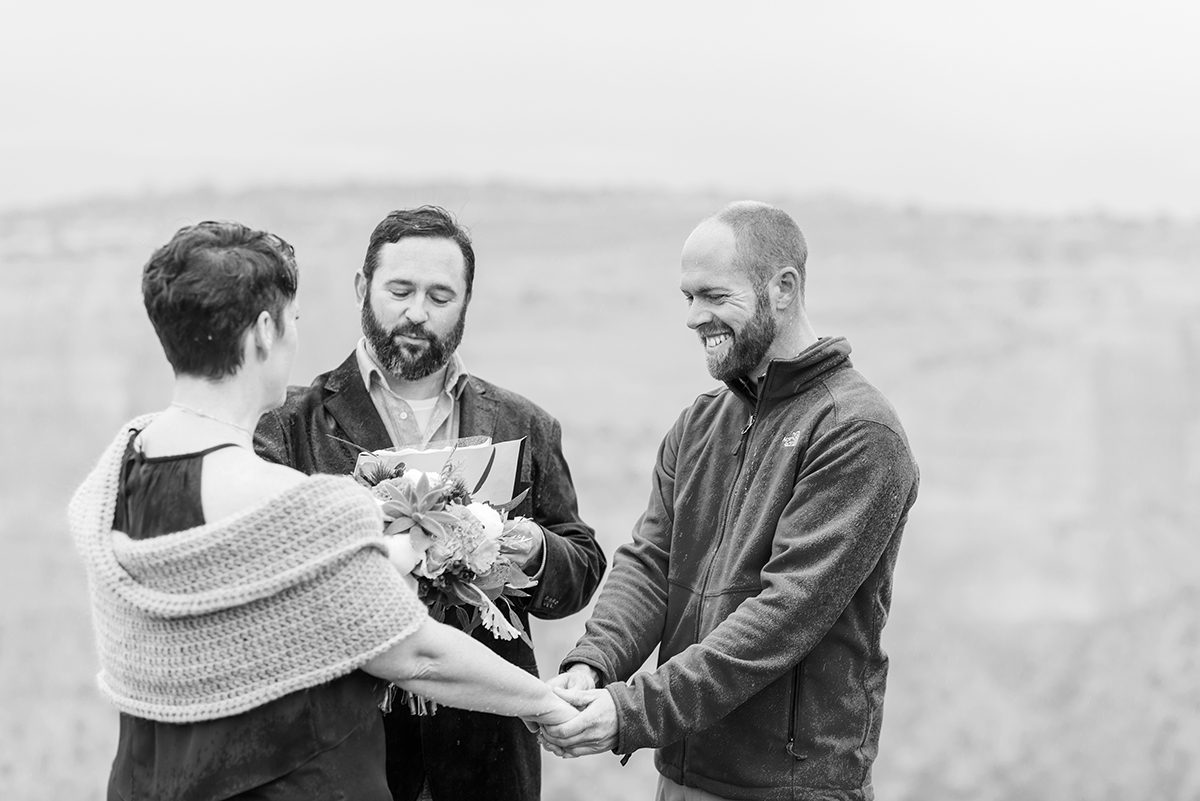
point(742, 439)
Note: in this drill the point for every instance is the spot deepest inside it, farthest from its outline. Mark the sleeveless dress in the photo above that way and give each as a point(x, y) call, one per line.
point(325, 742)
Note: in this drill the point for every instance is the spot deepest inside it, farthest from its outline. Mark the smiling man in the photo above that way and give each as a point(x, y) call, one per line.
point(405, 385)
point(762, 567)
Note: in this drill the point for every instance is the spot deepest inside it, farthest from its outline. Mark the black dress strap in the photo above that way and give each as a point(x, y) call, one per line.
point(215, 448)
point(160, 495)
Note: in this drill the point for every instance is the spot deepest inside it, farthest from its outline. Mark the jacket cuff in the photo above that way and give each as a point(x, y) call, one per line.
point(628, 739)
point(593, 659)
point(546, 595)
point(541, 566)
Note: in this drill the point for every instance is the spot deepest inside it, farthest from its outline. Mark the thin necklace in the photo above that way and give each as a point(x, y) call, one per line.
point(183, 408)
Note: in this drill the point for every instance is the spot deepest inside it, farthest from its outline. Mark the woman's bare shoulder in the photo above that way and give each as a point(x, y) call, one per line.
point(236, 479)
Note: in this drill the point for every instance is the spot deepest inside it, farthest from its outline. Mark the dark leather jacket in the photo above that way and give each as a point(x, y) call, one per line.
point(763, 565)
point(464, 754)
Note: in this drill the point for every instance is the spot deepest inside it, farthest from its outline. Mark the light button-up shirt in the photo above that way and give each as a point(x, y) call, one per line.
point(396, 412)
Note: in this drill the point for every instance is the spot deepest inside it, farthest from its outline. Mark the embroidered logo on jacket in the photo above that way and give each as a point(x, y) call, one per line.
point(792, 439)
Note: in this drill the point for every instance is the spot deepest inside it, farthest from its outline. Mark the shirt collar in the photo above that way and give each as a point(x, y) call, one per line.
point(456, 374)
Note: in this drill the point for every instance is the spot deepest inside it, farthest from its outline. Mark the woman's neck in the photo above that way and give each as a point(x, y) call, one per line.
point(228, 404)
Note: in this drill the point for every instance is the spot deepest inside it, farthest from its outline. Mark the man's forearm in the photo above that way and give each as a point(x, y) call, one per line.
point(627, 622)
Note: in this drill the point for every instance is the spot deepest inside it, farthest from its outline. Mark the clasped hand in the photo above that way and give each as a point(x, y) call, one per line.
point(591, 731)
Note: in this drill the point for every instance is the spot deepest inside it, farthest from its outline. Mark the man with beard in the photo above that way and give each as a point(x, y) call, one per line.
point(405, 385)
point(762, 567)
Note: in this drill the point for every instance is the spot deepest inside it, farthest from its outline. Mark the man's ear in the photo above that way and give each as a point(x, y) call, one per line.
point(785, 288)
point(361, 285)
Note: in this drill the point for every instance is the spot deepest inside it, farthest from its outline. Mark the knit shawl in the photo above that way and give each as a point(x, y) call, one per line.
point(218, 619)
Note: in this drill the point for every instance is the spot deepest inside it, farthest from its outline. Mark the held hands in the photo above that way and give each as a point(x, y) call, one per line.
point(577, 677)
point(559, 712)
point(594, 729)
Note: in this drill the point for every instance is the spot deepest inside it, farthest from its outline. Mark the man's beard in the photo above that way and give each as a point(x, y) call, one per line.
point(748, 347)
point(403, 360)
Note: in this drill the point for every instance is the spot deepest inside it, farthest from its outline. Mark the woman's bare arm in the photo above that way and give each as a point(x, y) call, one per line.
point(443, 664)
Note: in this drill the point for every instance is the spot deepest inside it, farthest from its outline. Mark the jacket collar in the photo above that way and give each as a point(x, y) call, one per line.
point(477, 409)
point(786, 378)
point(350, 406)
point(347, 401)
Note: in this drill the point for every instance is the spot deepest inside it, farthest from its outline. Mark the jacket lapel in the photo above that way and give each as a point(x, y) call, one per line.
point(353, 411)
point(476, 411)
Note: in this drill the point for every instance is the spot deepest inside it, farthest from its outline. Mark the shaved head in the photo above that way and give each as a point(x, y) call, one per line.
point(767, 239)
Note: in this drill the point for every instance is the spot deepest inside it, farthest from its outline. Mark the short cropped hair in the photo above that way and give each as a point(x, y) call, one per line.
point(767, 240)
point(428, 221)
point(205, 288)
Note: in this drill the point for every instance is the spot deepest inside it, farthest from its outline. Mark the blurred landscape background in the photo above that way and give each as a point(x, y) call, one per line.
point(1045, 639)
point(1002, 210)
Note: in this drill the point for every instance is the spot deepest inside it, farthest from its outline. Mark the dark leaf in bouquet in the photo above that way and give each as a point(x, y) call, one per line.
point(464, 593)
point(456, 492)
point(371, 472)
point(516, 622)
point(505, 508)
point(473, 623)
point(464, 619)
point(512, 592)
point(437, 610)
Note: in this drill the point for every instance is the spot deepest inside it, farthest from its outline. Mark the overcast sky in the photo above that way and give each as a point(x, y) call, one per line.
point(1046, 106)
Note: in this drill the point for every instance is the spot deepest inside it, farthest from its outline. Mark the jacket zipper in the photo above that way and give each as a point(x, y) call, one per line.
point(737, 476)
point(794, 711)
point(725, 509)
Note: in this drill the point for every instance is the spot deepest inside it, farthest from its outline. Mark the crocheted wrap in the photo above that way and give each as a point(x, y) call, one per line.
point(221, 618)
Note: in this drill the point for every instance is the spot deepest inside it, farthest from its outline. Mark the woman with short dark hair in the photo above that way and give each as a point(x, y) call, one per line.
point(248, 620)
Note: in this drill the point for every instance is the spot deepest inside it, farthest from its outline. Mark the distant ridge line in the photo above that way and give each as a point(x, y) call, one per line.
point(715, 196)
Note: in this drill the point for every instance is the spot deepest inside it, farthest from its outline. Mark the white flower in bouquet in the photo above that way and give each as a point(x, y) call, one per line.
point(413, 475)
point(493, 524)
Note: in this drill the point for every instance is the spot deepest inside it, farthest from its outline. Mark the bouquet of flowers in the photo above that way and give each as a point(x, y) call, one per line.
point(457, 550)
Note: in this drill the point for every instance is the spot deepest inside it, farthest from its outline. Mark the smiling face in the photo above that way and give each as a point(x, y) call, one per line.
point(731, 315)
point(414, 307)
